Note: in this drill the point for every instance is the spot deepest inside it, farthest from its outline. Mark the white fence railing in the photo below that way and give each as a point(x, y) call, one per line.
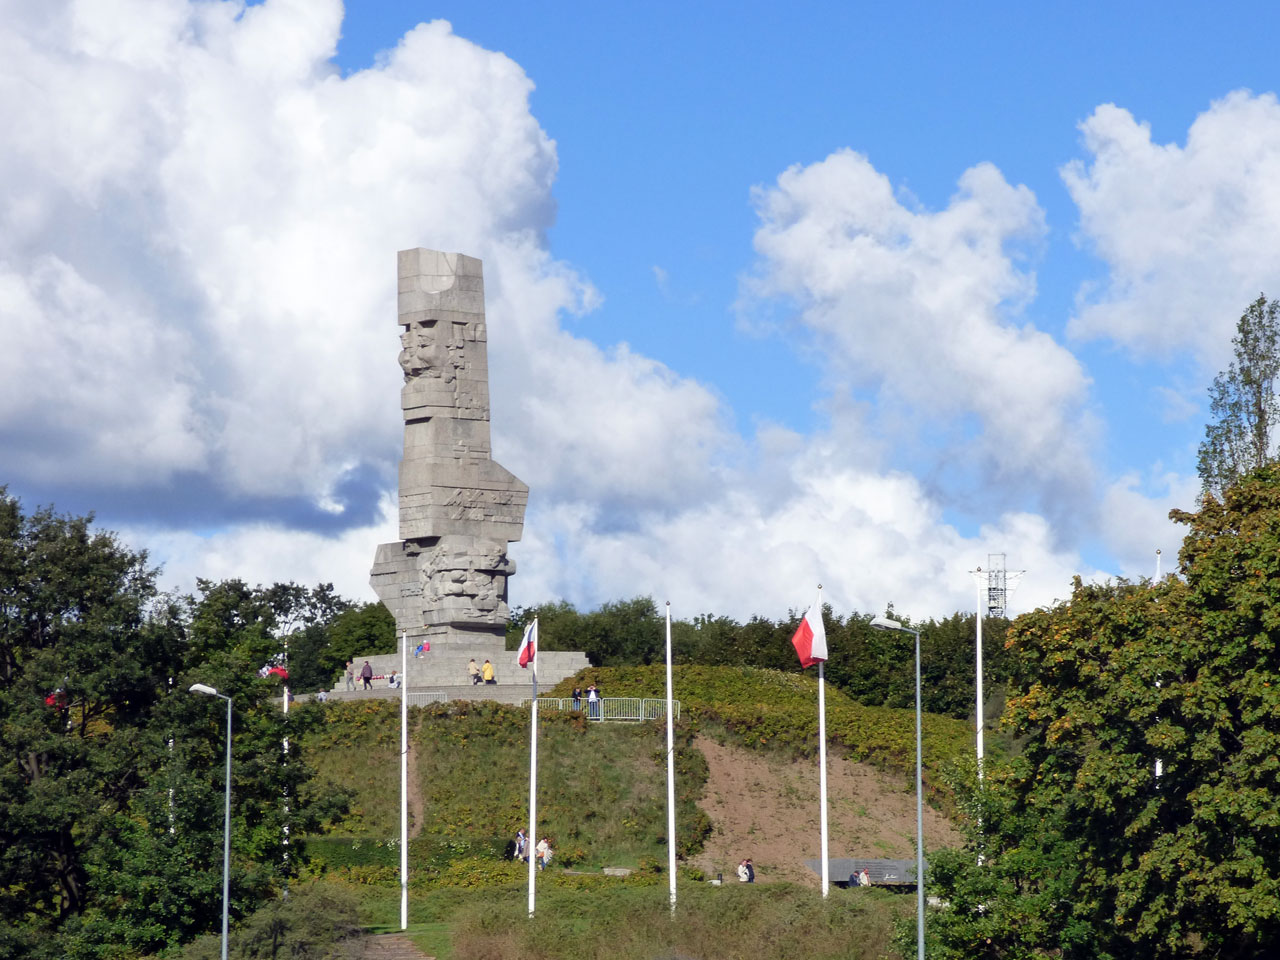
point(419, 699)
point(634, 709)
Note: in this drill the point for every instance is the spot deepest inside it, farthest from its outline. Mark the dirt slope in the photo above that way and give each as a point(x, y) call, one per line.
point(766, 808)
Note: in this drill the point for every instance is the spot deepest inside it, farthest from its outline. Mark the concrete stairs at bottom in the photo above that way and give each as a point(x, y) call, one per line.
point(391, 946)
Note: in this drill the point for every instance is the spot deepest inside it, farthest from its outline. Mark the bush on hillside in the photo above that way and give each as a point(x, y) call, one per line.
point(316, 922)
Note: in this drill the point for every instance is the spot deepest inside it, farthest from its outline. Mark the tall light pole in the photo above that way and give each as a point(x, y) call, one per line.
point(226, 817)
point(884, 623)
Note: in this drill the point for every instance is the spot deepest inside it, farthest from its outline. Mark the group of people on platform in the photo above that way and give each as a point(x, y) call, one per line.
point(367, 676)
point(478, 673)
point(593, 700)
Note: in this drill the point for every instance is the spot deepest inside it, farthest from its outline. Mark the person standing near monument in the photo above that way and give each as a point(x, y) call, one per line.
point(593, 703)
point(366, 674)
point(351, 674)
point(473, 671)
point(487, 672)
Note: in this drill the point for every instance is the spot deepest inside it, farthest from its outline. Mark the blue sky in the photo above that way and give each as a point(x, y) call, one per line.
point(898, 287)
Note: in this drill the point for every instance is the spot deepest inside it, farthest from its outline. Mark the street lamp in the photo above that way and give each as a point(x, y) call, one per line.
point(226, 819)
point(884, 623)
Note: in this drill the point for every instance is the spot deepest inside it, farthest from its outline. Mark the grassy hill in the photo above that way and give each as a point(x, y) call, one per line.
point(601, 793)
point(602, 800)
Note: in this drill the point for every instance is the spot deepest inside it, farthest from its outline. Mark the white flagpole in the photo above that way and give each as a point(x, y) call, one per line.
point(671, 775)
point(404, 783)
point(822, 765)
point(530, 839)
point(978, 696)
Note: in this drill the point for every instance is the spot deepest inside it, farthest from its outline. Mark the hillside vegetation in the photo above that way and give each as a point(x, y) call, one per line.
point(601, 794)
point(602, 800)
point(772, 708)
point(602, 785)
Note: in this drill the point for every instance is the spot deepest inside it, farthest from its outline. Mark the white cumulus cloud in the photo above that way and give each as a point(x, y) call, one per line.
point(199, 216)
point(923, 306)
point(1188, 233)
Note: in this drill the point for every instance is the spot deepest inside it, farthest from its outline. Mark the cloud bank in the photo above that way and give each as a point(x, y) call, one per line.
point(198, 221)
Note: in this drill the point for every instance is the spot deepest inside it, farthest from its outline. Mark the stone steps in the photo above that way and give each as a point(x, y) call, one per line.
point(499, 692)
point(391, 946)
point(448, 667)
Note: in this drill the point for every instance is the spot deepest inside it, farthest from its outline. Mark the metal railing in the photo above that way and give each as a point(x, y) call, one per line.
point(419, 699)
point(634, 709)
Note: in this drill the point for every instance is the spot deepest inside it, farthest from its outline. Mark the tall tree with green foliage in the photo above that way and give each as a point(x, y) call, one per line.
point(1087, 852)
point(111, 772)
point(81, 666)
point(1242, 401)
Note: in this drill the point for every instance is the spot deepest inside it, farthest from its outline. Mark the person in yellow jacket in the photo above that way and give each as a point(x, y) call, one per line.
point(487, 672)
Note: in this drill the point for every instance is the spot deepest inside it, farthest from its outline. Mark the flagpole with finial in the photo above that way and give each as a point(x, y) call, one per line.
point(529, 659)
point(810, 641)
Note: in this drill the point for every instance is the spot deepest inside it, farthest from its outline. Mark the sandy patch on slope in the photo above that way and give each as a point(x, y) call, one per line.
point(766, 808)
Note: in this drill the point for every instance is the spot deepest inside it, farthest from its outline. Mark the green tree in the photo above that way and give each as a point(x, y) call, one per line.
point(97, 856)
point(619, 633)
point(360, 630)
point(82, 662)
point(1087, 852)
point(1242, 401)
point(624, 633)
point(318, 923)
point(559, 626)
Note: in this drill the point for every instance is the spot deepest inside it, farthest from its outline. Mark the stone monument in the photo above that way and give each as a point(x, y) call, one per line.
point(445, 580)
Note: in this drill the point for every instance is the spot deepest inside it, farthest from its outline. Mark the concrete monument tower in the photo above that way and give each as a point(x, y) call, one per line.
point(445, 580)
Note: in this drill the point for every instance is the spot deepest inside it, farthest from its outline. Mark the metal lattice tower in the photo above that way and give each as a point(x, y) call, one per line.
point(997, 585)
point(1000, 583)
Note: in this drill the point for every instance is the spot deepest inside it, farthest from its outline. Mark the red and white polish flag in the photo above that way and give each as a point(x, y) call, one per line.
point(810, 638)
point(529, 643)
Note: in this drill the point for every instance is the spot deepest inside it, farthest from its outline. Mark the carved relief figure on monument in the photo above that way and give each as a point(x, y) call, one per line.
point(423, 354)
point(465, 579)
point(446, 579)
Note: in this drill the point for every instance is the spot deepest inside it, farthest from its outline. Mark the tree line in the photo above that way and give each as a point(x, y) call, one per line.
point(111, 791)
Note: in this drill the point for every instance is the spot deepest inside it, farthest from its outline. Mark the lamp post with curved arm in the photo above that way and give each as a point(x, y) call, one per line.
point(884, 623)
point(226, 818)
